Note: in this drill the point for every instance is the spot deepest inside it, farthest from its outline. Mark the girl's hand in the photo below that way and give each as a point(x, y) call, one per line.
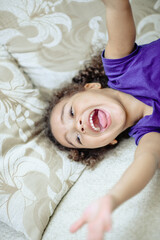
point(98, 217)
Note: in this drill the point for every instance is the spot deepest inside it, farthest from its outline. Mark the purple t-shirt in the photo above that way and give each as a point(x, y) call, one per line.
point(138, 74)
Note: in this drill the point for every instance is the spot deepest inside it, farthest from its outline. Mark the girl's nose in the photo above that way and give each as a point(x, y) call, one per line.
point(80, 126)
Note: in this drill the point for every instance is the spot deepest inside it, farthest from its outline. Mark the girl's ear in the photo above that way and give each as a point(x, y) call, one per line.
point(93, 85)
point(114, 142)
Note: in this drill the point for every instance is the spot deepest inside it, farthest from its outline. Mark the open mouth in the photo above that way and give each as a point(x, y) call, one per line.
point(98, 120)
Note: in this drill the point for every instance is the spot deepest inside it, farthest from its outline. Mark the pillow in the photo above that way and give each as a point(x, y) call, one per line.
point(34, 176)
point(49, 39)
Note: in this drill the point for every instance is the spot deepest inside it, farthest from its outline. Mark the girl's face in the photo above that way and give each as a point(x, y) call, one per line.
point(89, 119)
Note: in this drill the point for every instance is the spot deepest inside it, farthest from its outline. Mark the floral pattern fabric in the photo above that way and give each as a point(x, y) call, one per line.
point(33, 175)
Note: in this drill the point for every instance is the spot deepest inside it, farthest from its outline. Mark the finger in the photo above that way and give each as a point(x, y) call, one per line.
point(108, 225)
point(77, 225)
point(108, 217)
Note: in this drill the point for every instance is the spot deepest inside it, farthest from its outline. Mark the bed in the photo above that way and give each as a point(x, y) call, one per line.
point(43, 44)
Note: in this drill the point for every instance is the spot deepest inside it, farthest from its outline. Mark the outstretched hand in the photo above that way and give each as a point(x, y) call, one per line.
point(98, 217)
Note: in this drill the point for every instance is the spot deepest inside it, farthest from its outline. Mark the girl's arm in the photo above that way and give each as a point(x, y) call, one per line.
point(121, 28)
point(136, 177)
point(146, 161)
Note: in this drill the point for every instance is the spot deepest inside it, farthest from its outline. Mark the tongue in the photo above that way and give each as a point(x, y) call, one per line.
point(102, 118)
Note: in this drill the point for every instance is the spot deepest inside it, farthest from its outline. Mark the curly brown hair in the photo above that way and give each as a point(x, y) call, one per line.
point(93, 72)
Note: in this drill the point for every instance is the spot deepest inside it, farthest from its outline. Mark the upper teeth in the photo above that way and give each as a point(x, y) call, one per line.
point(91, 122)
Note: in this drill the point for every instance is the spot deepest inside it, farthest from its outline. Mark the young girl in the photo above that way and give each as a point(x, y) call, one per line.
point(91, 117)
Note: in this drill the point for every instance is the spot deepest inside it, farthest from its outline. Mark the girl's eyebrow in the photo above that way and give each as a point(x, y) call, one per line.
point(62, 119)
point(65, 136)
point(62, 113)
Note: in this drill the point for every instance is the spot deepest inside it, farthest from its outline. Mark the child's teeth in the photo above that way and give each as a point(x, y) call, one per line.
point(92, 124)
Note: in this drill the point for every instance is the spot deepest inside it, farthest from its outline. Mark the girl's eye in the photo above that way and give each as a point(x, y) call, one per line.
point(78, 139)
point(71, 112)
